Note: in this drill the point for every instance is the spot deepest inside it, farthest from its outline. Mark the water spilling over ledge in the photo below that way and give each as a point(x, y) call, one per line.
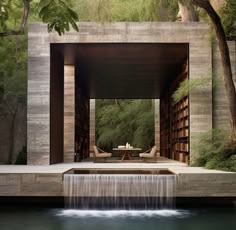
point(120, 189)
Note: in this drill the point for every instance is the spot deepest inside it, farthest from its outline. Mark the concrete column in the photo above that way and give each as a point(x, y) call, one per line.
point(38, 103)
point(92, 125)
point(69, 113)
point(157, 122)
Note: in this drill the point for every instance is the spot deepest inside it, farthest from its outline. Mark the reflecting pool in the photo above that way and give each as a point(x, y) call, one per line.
point(20, 218)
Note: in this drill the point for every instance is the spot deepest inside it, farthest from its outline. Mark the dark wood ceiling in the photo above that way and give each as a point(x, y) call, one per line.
point(125, 70)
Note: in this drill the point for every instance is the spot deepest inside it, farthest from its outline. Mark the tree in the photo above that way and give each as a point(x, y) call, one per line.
point(187, 13)
point(13, 80)
point(56, 13)
point(225, 58)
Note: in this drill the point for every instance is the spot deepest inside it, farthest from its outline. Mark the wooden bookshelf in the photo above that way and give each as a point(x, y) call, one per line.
point(174, 121)
point(180, 130)
point(179, 115)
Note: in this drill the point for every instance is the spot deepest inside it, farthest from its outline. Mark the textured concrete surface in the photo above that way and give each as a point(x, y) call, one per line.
point(31, 184)
point(69, 113)
point(220, 105)
point(38, 108)
point(48, 180)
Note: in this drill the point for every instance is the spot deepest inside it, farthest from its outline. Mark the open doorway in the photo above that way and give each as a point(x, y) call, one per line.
point(109, 71)
point(121, 121)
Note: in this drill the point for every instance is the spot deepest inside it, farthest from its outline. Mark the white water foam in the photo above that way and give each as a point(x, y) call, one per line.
point(122, 213)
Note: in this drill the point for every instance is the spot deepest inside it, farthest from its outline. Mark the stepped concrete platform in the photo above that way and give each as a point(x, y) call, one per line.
point(47, 181)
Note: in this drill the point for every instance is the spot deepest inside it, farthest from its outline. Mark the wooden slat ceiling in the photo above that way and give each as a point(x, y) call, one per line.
point(122, 70)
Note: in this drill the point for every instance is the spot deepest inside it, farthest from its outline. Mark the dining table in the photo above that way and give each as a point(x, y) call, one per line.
point(127, 152)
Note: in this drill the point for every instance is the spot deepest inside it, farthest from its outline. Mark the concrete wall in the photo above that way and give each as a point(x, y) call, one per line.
point(206, 185)
point(209, 184)
point(38, 110)
point(31, 184)
point(220, 107)
point(196, 34)
point(69, 113)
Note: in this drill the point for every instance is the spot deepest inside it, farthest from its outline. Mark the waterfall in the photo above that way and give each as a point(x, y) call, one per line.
point(129, 191)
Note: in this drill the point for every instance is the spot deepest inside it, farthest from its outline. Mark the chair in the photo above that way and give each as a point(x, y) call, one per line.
point(149, 155)
point(100, 154)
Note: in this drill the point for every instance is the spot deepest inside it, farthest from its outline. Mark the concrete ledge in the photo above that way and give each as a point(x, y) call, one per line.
point(47, 181)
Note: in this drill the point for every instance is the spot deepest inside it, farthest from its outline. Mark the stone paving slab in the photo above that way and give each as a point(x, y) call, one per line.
point(176, 167)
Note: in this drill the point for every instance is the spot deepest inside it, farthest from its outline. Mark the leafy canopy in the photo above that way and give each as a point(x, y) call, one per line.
point(126, 10)
point(228, 17)
point(58, 14)
point(121, 121)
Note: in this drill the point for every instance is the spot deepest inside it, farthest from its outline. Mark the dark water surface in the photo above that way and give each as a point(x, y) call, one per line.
point(22, 218)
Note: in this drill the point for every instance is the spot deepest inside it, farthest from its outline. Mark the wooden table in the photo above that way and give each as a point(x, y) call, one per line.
point(127, 152)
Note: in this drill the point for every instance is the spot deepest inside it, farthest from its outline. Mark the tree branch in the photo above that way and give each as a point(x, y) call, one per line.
point(225, 58)
point(24, 19)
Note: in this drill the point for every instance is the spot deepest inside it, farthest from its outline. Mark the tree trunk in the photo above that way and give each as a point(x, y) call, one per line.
point(187, 12)
point(117, 103)
point(225, 58)
point(24, 19)
point(12, 136)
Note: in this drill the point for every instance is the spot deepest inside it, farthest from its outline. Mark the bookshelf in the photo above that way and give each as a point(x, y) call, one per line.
point(180, 130)
point(174, 122)
point(180, 121)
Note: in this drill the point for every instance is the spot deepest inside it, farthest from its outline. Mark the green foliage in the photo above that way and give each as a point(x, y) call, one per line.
point(22, 157)
point(121, 121)
point(13, 66)
point(228, 18)
point(10, 14)
point(190, 86)
point(126, 10)
point(58, 15)
point(215, 150)
point(13, 73)
point(4, 8)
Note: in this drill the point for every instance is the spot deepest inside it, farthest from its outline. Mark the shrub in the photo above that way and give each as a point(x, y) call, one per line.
point(215, 149)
